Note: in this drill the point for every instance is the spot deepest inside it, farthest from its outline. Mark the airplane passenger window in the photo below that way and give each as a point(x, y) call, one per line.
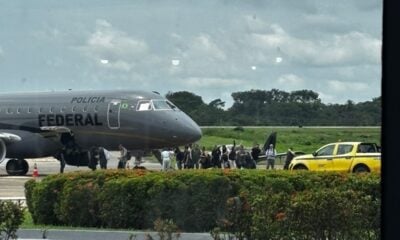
point(96, 108)
point(144, 106)
point(85, 108)
point(18, 110)
point(9, 111)
point(73, 108)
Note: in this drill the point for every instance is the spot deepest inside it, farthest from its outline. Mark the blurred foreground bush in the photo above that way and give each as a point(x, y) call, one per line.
point(251, 204)
point(11, 217)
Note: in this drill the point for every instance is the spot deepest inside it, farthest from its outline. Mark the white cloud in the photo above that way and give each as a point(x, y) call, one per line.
point(339, 86)
point(195, 82)
point(351, 48)
point(205, 47)
point(327, 98)
point(291, 81)
point(122, 51)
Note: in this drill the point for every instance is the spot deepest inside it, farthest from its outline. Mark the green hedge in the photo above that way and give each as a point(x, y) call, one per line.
point(255, 204)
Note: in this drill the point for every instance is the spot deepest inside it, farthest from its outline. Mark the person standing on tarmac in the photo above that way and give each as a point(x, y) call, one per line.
point(104, 157)
point(187, 159)
point(255, 152)
point(196, 152)
point(179, 157)
point(123, 158)
point(270, 154)
point(289, 157)
point(166, 159)
point(216, 157)
point(224, 157)
point(94, 158)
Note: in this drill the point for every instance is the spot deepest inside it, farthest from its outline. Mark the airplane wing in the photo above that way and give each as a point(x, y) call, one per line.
point(51, 131)
point(57, 129)
point(9, 137)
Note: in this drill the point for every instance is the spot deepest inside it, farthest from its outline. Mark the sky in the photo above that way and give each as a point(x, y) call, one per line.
point(211, 48)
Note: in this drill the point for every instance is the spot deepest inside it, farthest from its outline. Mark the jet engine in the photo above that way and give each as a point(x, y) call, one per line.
point(3, 150)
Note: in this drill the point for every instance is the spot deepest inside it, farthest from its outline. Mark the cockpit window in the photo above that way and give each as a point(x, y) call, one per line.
point(144, 106)
point(172, 105)
point(162, 105)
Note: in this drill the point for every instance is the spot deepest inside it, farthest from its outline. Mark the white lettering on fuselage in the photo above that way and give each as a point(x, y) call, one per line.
point(88, 99)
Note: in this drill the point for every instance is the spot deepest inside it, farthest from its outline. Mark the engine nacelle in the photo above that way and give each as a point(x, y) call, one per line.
point(3, 150)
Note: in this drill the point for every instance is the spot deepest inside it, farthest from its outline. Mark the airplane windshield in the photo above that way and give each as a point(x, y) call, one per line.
point(163, 105)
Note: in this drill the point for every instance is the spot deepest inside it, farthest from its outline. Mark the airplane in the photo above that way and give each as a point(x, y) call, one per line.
point(69, 123)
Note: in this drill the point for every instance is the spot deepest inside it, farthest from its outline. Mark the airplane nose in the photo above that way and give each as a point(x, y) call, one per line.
point(195, 132)
point(192, 130)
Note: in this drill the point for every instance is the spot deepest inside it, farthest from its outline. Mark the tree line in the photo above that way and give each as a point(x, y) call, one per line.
point(278, 108)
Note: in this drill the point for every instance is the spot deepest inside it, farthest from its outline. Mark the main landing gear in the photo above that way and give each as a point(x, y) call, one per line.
point(17, 167)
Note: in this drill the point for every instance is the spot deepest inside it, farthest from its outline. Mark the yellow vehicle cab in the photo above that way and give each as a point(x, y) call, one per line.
point(341, 156)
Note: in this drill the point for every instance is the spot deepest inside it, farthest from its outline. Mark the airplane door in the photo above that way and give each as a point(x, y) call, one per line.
point(113, 114)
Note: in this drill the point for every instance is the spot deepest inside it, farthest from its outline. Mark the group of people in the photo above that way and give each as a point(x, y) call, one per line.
point(220, 157)
point(98, 155)
point(194, 157)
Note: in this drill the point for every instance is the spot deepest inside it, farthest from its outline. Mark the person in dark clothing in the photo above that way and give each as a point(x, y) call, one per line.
point(103, 158)
point(289, 157)
point(250, 163)
point(94, 158)
point(179, 157)
point(255, 152)
point(216, 157)
point(205, 159)
point(187, 160)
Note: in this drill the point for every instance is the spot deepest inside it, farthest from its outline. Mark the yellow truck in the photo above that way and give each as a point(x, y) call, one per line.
point(342, 157)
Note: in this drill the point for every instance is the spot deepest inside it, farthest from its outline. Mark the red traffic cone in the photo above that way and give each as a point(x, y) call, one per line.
point(35, 171)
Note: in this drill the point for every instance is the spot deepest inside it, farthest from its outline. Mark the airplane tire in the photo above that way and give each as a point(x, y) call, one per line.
point(17, 167)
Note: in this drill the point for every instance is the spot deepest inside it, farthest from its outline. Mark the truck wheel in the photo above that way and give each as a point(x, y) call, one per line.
point(300, 167)
point(360, 168)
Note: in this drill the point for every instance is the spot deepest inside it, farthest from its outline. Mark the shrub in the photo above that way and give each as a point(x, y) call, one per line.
point(78, 204)
point(11, 217)
point(252, 204)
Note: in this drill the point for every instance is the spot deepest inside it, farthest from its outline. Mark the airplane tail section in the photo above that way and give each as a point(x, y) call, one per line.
point(270, 140)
